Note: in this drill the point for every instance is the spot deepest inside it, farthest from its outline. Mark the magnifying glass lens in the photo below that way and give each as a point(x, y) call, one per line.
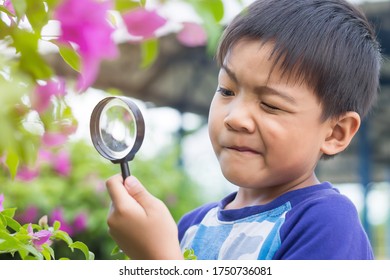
point(118, 129)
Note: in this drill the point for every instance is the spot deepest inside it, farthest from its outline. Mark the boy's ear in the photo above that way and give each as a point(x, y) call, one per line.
point(341, 132)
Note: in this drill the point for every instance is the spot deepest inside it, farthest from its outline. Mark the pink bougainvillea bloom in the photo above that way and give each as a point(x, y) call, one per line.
point(61, 163)
point(44, 156)
point(39, 238)
point(27, 216)
point(53, 139)
point(8, 5)
point(57, 215)
point(27, 173)
point(192, 35)
point(143, 23)
point(80, 222)
point(43, 94)
point(84, 23)
point(1, 202)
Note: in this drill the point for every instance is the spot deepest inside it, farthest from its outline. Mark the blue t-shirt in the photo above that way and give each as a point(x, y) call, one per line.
point(312, 223)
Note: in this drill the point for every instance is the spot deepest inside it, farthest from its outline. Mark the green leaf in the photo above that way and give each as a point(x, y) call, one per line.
point(20, 7)
point(3, 222)
point(211, 7)
point(116, 250)
point(125, 5)
point(28, 257)
point(81, 246)
point(149, 51)
point(28, 150)
point(189, 254)
point(51, 3)
point(9, 242)
point(68, 54)
point(12, 162)
point(48, 252)
point(37, 15)
point(31, 62)
point(22, 235)
point(56, 225)
point(67, 112)
point(62, 235)
point(12, 244)
point(31, 249)
point(46, 255)
point(12, 223)
point(4, 29)
point(216, 8)
point(9, 212)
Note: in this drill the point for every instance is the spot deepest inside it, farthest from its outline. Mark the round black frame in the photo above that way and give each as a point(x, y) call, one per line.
point(98, 141)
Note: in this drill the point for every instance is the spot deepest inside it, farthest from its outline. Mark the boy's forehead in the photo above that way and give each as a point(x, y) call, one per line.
point(262, 55)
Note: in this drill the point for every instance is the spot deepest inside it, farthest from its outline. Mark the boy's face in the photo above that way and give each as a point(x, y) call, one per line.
point(265, 131)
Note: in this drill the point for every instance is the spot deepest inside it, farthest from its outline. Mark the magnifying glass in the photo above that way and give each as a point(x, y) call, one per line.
point(117, 130)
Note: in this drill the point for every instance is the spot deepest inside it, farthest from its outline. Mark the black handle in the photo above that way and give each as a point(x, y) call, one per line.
point(125, 170)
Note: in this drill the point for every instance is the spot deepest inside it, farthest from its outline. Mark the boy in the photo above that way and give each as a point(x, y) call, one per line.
point(295, 79)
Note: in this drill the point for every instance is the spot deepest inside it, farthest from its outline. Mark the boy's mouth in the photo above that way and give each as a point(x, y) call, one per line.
point(243, 149)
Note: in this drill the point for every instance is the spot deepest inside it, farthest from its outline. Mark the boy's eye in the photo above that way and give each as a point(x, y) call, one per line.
point(269, 107)
point(225, 92)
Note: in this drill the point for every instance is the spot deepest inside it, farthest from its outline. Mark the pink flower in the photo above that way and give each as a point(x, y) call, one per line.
point(58, 215)
point(80, 222)
point(44, 156)
point(192, 35)
point(61, 163)
point(44, 93)
point(27, 174)
point(1, 202)
point(8, 5)
point(39, 238)
point(84, 22)
point(53, 139)
point(27, 216)
point(143, 23)
point(78, 225)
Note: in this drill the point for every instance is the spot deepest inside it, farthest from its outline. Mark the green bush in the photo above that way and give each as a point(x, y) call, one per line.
point(82, 194)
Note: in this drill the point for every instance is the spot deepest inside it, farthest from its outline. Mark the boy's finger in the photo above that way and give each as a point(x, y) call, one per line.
point(118, 192)
point(139, 193)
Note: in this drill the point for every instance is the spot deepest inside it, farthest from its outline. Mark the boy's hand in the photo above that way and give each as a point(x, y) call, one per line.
point(141, 224)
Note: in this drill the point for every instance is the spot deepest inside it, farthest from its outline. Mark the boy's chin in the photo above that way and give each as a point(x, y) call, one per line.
point(241, 180)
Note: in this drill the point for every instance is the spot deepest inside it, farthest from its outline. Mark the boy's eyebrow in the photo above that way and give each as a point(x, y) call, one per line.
point(279, 93)
point(260, 89)
point(230, 73)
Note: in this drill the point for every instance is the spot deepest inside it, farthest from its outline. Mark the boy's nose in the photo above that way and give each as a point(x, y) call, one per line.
point(239, 117)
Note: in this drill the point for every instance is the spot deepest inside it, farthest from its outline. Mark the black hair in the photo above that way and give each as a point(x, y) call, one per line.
point(327, 44)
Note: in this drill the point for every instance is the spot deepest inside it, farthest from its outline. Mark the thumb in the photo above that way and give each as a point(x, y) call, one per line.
point(139, 192)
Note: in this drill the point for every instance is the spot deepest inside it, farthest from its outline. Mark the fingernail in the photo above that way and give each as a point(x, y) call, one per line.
point(130, 181)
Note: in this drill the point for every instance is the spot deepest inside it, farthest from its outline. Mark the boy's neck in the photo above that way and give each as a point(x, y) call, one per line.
point(250, 197)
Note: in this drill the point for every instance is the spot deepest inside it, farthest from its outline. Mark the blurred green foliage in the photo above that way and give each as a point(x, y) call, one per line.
point(33, 241)
point(83, 191)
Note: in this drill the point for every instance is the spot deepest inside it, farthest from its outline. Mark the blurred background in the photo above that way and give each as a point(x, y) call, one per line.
point(176, 163)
